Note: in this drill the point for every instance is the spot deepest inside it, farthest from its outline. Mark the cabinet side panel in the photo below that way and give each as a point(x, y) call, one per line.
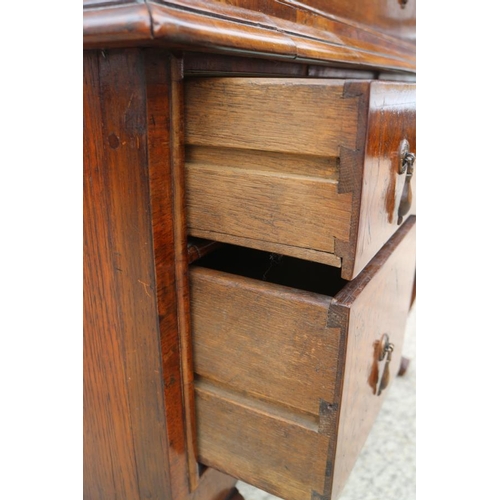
point(126, 446)
point(109, 454)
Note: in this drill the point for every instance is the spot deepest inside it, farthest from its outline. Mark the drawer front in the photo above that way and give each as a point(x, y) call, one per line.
point(390, 131)
point(286, 378)
point(289, 165)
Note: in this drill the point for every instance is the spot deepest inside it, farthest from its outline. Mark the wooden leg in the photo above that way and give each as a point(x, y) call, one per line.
point(403, 366)
point(236, 495)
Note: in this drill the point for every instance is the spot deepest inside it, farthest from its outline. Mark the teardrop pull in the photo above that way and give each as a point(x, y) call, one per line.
point(384, 381)
point(407, 195)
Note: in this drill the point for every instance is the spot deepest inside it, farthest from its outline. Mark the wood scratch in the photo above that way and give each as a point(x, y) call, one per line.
point(146, 286)
point(129, 103)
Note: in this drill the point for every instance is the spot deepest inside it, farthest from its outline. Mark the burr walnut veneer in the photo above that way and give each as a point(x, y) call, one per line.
point(249, 230)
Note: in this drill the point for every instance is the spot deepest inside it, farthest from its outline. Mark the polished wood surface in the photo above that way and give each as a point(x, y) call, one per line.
point(391, 120)
point(137, 376)
point(394, 17)
point(308, 342)
point(270, 29)
point(162, 77)
point(143, 434)
point(126, 443)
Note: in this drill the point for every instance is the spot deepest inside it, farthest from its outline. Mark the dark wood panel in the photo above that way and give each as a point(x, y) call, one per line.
point(126, 445)
point(391, 120)
point(198, 63)
point(108, 443)
point(138, 419)
point(393, 17)
point(286, 33)
point(167, 222)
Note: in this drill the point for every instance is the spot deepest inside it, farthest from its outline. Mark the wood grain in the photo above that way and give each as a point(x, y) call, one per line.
point(286, 382)
point(271, 29)
point(166, 187)
point(316, 179)
point(290, 113)
point(284, 209)
point(387, 16)
point(309, 350)
point(391, 119)
point(259, 447)
point(286, 169)
point(136, 398)
point(377, 302)
point(126, 444)
point(108, 443)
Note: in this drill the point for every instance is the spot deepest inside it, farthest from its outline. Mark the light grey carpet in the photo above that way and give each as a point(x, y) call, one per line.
point(385, 469)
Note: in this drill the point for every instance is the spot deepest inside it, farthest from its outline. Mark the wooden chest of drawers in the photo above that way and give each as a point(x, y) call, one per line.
point(268, 358)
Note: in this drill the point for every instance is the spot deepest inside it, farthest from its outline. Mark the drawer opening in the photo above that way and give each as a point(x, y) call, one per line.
point(275, 268)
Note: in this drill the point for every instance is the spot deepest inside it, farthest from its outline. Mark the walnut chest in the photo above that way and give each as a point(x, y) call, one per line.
point(249, 229)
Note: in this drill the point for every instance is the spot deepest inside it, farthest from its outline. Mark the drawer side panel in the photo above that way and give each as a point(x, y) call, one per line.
point(302, 116)
point(263, 340)
point(263, 163)
point(278, 455)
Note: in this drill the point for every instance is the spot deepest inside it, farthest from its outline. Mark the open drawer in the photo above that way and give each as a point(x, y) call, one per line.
point(317, 169)
point(290, 361)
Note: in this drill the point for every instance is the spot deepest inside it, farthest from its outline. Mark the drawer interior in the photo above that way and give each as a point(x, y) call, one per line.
point(276, 269)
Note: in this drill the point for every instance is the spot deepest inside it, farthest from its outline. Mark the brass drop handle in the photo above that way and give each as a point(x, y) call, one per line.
point(406, 167)
point(386, 350)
